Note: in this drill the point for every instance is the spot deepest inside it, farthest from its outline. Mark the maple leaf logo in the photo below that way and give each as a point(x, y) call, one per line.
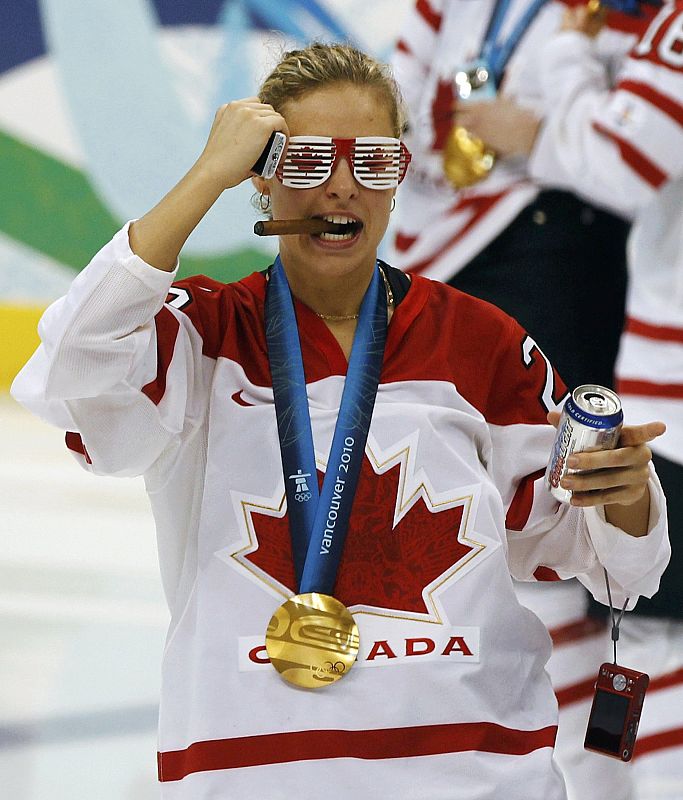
point(395, 556)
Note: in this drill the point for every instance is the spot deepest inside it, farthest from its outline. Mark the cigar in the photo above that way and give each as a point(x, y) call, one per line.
point(284, 227)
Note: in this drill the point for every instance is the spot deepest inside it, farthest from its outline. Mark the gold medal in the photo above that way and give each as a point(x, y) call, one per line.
point(466, 159)
point(312, 640)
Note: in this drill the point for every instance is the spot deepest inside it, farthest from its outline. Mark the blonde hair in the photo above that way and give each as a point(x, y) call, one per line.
point(320, 65)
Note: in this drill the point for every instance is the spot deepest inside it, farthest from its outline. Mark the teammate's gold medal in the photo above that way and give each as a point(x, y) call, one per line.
point(466, 159)
point(312, 640)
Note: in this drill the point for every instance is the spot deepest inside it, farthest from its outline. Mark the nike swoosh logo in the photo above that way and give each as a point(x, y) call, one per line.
point(237, 397)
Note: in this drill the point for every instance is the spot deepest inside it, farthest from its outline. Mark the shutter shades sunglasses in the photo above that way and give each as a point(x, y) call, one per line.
point(378, 162)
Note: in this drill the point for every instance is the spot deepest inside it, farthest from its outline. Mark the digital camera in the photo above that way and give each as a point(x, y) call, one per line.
point(615, 713)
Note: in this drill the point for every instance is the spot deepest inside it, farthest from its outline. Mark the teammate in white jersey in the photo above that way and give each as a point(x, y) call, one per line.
point(448, 694)
point(620, 142)
point(528, 247)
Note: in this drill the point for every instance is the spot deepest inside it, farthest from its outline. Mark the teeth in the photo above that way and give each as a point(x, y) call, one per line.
point(336, 237)
point(339, 219)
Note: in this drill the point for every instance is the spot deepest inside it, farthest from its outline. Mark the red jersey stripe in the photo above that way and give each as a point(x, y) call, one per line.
point(520, 507)
point(583, 690)
point(575, 693)
point(576, 631)
point(280, 748)
point(663, 333)
point(658, 741)
point(661, 101)
point(674, 678)
point(402, 46)
point(431, 17)
point(167, 332)
point(673, 391)
point(638, 162)
point(403, 242)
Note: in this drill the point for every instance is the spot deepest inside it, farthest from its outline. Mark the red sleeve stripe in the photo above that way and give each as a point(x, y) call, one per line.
point(520, 507)
point(658, 741)
point(546, 574)
point(662, 333)
point(638, 162)
point(431, 17)
point(661, 101)
point(282, 748)
point(167, 332)
point(672, 391)
point(75, 444)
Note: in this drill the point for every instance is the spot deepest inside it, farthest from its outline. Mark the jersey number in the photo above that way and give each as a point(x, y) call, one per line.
point(670, 47)
point(178, 298)
point(547, 397)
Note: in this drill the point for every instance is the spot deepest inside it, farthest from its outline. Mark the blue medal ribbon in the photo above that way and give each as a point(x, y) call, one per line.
point(497, 54)
point(319, 521)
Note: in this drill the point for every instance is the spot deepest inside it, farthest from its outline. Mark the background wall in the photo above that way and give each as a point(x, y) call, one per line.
point(104, 105)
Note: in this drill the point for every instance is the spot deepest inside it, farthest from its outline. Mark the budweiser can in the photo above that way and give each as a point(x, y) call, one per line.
point(591, 420)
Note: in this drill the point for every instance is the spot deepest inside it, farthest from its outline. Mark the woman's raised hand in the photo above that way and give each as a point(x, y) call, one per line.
point(239, 133)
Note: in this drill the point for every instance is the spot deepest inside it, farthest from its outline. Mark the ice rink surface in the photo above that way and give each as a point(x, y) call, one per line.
point(82, 624)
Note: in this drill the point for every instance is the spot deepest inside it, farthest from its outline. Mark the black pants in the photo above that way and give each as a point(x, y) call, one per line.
point(560, 270)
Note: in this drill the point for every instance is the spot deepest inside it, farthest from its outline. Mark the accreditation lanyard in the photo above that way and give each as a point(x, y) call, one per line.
point(318, 521)
point(497, 54)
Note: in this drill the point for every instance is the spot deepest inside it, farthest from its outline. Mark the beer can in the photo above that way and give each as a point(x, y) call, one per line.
point(591, 420)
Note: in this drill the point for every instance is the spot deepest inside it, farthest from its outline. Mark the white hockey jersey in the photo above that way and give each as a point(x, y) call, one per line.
point(449, 695)
point(623, 148)
point(438, 229)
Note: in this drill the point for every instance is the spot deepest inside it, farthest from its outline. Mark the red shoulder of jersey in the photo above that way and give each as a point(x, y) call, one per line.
point(493, 363)
point(211, 306)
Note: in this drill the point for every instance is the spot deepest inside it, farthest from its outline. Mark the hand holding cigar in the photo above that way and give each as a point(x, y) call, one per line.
point(285, 227)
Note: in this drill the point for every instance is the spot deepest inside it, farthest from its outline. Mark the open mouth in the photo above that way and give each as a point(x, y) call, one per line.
point(345, 228)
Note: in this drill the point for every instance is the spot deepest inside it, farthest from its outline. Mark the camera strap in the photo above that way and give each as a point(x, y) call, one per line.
point(616, 621)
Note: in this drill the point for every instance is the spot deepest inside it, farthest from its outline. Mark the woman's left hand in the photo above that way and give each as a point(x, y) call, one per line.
point(617, 479)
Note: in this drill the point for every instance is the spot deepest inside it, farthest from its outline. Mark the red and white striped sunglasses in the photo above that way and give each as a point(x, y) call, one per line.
point(378, 162)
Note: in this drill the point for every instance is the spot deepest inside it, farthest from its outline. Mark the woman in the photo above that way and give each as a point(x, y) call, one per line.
point(202, 395)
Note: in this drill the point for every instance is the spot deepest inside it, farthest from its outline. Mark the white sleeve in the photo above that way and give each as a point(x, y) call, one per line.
point(579, 543)
point(96, 372)
point(614, 145)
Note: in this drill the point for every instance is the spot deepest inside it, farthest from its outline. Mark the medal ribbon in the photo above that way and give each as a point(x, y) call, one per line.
point(319, 523)
point(496, 55)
